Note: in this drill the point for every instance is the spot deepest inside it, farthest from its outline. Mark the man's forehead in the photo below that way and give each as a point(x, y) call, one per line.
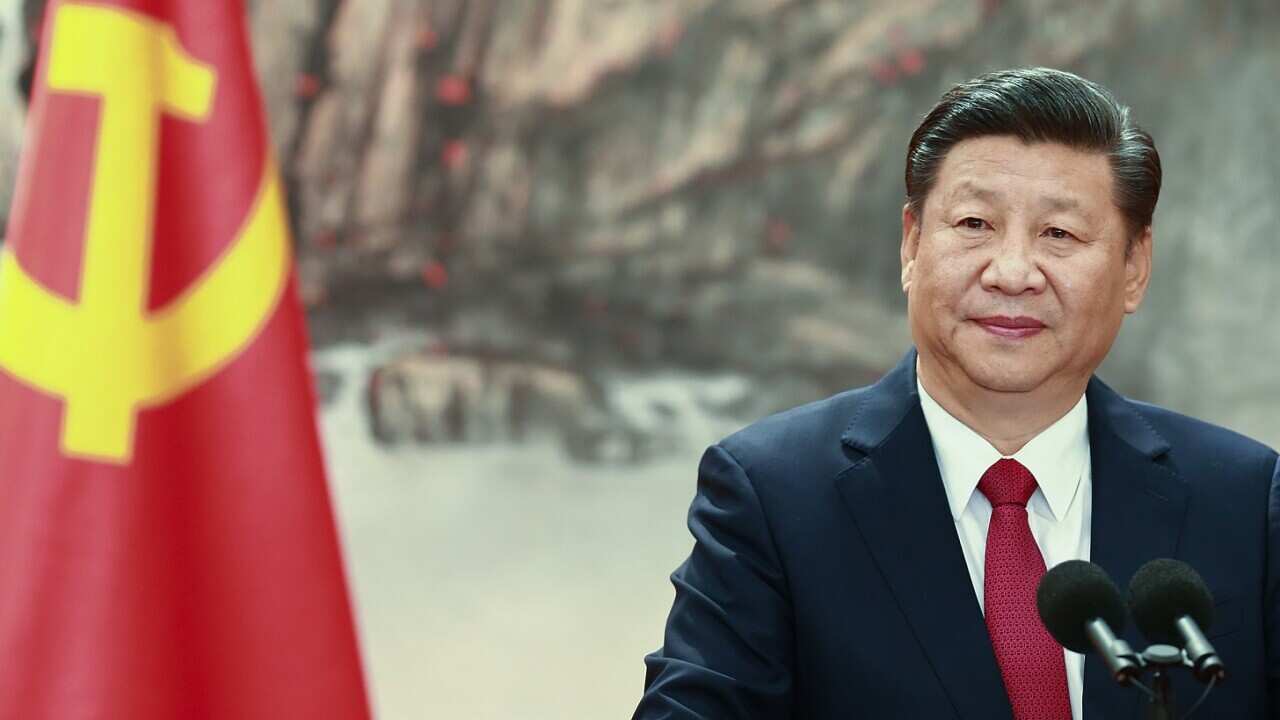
point(999, 168)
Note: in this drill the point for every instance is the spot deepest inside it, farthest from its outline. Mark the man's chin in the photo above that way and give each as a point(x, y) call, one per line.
point(1006, 379)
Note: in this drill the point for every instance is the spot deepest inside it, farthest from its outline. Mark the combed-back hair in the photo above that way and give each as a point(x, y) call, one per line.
point(1040, 105)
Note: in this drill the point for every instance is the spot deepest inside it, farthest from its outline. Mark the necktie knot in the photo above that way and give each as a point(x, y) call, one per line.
point(1007, 482)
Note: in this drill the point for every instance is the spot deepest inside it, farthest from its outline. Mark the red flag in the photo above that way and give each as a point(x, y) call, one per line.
point(167, 548)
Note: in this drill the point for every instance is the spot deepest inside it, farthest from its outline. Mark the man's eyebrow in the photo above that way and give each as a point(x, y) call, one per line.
point(1061, 203)
point(968, 189)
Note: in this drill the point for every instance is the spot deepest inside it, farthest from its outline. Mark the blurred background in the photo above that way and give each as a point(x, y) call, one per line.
point(550, 249)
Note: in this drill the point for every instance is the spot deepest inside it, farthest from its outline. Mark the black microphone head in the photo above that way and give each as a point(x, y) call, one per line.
point(1072, 594)
point(1164, 590)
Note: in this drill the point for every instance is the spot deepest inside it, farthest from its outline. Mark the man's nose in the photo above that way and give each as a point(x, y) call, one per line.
point(1013, 268)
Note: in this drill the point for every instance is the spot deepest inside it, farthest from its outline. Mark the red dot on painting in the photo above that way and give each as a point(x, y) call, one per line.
point(454, 154)
point(426, 39)
point(434, 275)
point(306, 86)
point(453, 90)
point(911, 61)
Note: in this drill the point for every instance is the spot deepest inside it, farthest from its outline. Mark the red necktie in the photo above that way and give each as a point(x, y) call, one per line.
point(1031, 662)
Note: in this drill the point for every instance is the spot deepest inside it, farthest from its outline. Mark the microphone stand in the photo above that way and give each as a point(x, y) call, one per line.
point(1160, 659)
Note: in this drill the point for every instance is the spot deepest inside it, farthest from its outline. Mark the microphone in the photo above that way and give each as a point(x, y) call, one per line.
point(1172, 605)
point(1081, 608)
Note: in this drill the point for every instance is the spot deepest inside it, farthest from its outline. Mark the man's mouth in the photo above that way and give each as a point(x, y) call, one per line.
point(1010, 327)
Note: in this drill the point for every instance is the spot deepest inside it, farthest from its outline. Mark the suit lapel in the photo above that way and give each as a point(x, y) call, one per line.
point(899, 505)
point(1138, 509)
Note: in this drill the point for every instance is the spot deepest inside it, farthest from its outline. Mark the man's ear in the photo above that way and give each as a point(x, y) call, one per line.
point(1137, 270)
point(910, 245)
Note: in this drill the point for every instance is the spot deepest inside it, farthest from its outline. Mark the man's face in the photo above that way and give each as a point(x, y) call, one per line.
point(1016, 273)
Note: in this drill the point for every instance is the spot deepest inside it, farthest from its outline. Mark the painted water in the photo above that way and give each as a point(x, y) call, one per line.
point(506, 580)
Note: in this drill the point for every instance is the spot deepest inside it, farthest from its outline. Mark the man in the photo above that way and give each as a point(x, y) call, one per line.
point(876, 554)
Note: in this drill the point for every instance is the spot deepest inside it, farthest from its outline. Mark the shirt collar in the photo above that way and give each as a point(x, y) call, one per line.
point(1058, 457)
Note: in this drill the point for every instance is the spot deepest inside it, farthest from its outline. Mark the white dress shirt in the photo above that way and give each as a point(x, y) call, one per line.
point(1058, 513)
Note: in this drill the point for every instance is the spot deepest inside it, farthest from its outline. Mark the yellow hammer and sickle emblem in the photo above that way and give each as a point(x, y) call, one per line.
point(106, 356)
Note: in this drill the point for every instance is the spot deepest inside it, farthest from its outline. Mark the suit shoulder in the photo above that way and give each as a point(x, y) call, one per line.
point(1192, 437)
point(802, 440)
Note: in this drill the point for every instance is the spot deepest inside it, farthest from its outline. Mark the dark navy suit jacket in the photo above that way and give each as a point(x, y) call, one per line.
point(827, 579)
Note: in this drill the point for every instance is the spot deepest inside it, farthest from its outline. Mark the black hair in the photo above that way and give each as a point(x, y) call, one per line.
point(1040, 105)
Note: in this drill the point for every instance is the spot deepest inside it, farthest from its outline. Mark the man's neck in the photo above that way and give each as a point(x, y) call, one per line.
point(1007, 420)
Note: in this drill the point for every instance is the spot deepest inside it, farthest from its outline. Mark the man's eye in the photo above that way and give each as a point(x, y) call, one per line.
point(1059, 234)
point(974, 223)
